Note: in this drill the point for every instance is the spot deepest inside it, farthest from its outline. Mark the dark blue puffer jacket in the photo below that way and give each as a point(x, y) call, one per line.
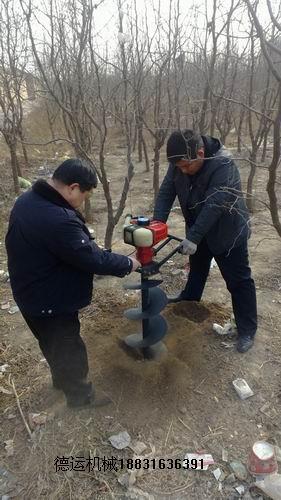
point(51, 256)
point(211, 200)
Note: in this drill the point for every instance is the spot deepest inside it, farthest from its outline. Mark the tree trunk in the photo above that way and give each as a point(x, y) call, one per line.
point(15, 167)
point(213, 117)
point(88, 211)
point(264, 146)
point(134, 145)
point(156, 170)
point(273, 202)
point(140, 142)
point(147, 165)
point(109, 231)
point(239, 131)
point(250, 199)
point(24, 151)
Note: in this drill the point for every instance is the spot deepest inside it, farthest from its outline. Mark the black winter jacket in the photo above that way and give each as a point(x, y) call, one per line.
point(211, 200)
point(51, 256)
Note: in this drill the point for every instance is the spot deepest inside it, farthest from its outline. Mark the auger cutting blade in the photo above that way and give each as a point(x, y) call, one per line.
point(143, 286)
point(155, 351)
point(155, 331)
point(157, 300)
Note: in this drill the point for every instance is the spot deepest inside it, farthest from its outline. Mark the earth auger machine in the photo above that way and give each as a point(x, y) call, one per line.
point(144, 234)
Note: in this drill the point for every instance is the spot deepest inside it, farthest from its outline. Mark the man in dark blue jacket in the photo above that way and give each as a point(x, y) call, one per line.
point(51, 260)
point(207, 183)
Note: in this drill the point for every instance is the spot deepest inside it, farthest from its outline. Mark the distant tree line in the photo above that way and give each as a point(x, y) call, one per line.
point(214, 68)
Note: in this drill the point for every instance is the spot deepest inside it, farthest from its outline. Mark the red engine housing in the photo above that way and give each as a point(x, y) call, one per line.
point(145, 255)
point(160, 232)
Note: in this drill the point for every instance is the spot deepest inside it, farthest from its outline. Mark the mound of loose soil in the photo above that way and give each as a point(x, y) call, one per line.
point(145, 384)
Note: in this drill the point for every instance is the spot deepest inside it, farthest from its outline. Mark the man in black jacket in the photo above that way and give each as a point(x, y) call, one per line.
point(205, 179)
point(51, 260)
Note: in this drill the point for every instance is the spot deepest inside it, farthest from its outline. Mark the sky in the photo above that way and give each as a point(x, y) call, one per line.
point(194, 15)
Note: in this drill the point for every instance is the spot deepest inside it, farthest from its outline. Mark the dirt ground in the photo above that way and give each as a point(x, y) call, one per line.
point(184, 402)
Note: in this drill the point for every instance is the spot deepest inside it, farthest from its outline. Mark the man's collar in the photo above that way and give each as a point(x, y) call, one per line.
point(45, 190)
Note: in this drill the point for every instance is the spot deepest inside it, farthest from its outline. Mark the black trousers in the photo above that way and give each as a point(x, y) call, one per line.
point(60, 342)
point(234, 267)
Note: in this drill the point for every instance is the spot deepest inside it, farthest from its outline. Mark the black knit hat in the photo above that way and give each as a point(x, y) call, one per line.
point(183, 144)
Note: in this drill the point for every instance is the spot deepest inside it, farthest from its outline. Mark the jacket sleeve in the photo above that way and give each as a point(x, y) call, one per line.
point(166, 196)
point(72, 245)
point(222, 194)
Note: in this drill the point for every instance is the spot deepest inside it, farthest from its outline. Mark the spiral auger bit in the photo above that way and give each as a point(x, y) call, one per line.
point(144, 234)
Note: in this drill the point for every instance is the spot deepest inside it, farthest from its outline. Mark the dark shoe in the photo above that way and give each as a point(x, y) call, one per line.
point(89, 402)
point(173, 299)
point(86, 402)
point(56, 385)
point(81, 396)
point(244, 343)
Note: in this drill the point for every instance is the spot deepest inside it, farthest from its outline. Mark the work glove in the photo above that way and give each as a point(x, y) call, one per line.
point(188, 247)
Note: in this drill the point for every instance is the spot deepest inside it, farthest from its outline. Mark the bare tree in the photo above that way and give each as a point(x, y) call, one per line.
point(259, 125)
point(210, 61)
point(161, 104)
point(77, 79)
point(13, 60)
point(270, 50)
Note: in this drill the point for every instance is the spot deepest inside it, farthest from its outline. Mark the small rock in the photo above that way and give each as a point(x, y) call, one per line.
point(4, 276)
point(213, 264)
point(123, 479)
point(222, 476)
point(128, 479)
point(224, 455)
point(278, 453)
point(227, 329)
point(218, 329)
point(240, 489)
point(183, 410)
point(9, 447)
point(121, 440)
point(3, 368)
point(239, 470)
point(5, 305)
point(138, 447)
point(217, 473)
point(230, 478)
point(13, 310)
point(242, 388)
